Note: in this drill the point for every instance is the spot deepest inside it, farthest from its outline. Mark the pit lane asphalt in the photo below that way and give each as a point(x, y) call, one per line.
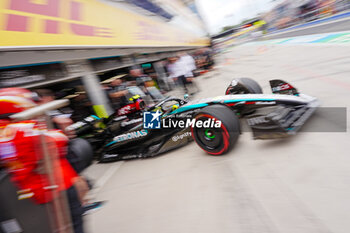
point(297, 185)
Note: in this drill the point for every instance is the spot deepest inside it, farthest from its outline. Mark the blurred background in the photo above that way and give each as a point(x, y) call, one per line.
point(105, 55)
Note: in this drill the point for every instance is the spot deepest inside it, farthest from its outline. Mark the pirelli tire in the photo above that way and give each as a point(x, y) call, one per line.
point(251, 85)
point(217, 141)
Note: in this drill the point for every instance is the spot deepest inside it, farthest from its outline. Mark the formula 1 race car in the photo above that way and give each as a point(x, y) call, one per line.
point(213, 123)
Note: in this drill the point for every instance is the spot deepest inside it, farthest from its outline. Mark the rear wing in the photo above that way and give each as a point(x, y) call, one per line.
point(281, 87)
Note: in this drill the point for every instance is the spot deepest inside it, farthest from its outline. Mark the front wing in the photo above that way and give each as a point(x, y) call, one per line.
point(279, 121)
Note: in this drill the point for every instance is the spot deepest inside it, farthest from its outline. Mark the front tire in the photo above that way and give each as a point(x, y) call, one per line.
point(252, 85)
point(244, 86)
point(217, 141)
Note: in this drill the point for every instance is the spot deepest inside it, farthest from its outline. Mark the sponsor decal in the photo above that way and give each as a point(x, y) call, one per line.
point(125, 110)
point(64, 22)
point(107, 156)
point(119, 118)
point(80, 124)
point(234, 83)
point(75, 126)
point(126, 123)
point(257, 120)
point(89, 119)
point(131, 135)
point(24, 13)
point(110, 156)
point(130, 157)
point(282, 87)
point(265, 102)
point(182, 136)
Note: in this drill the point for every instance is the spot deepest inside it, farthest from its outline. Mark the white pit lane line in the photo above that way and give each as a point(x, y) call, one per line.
point(100, 183)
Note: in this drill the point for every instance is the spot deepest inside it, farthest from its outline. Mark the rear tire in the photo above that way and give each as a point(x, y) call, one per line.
point(217, 141)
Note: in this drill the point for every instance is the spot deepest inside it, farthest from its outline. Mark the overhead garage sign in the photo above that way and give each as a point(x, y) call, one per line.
point(83, 23)
point(20, 76)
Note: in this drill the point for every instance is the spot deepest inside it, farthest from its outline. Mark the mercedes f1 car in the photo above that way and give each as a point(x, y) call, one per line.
point(269, 116)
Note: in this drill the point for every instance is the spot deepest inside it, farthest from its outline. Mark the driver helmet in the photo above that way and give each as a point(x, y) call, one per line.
point(174, 107)
point(15, 100)
point(135, 98)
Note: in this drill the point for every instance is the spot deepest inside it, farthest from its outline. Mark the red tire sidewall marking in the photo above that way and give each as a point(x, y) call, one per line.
point(226, 135)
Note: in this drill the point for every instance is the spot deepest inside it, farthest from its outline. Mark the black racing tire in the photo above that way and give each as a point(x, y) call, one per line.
point(251, 85)
point(217, 141)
